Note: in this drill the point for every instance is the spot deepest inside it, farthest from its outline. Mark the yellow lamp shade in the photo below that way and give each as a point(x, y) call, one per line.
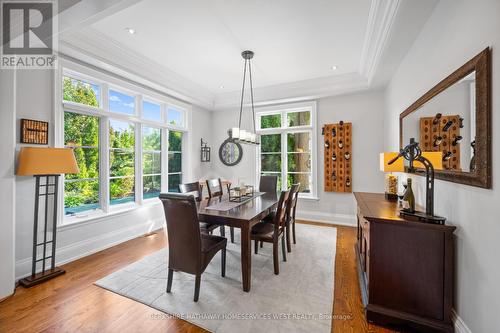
point(397, 166)
point(435, 157)
point(46, 161)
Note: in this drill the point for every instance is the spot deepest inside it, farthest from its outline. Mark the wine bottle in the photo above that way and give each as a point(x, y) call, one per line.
point(334, 157)
point(347, 155)
point(447, 126)
point(461, 122)
point(348, 182)
point(334, 176)
point(334, 132)
point(438, 141)
point(327, 144)
point(435, 121)
point(341, 144)
point(457, 140)
point(409, 198)
point(447, 156)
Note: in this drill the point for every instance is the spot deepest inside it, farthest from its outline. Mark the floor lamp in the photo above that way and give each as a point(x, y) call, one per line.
point(46, 165)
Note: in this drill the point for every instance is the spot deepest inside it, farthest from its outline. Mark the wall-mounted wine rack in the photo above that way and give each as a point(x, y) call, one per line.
point(442, 133)
point(338, 157)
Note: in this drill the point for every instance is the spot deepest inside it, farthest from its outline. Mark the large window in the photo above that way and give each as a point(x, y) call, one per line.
point(151, 162)
point(127, 143)
point(174, 160)
point(81, 191)
point(287, 146)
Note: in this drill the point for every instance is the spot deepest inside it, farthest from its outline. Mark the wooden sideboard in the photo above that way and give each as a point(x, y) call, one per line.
point(405, 268)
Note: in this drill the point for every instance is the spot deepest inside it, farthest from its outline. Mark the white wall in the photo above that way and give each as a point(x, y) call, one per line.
point(365, 111)
point(245, 170)
point(35, 101)
point(456, 32)
point(7, 184)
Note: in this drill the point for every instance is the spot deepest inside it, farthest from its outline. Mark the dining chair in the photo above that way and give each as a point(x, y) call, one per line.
point(268, 183)
point(214, 187)
point(189, 250)
point(273, 232)
point(195, 189)
point(290, 215)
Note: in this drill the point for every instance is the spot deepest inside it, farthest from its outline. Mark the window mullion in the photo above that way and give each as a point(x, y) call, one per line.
point(138, 164)
point(164, 160)
point(104, 163)
point(284, 161)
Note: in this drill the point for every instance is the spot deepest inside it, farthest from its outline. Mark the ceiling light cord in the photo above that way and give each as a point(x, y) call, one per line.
point(251, 94)
point(243, 92)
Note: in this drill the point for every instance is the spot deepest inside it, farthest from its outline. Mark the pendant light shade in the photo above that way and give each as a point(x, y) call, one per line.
point(237, 133)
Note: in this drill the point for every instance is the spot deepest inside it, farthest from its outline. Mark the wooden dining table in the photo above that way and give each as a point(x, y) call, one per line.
point(244, 217)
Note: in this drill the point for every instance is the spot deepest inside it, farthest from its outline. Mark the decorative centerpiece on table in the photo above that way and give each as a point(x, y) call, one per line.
point(241, 192)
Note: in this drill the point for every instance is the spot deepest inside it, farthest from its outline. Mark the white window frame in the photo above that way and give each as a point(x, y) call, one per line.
point(284, 110)
point(105, 81)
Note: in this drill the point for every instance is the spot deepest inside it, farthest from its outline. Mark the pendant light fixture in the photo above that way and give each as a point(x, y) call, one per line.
point(237, 133)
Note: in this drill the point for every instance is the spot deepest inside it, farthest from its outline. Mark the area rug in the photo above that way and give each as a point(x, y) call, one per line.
point(299, 299)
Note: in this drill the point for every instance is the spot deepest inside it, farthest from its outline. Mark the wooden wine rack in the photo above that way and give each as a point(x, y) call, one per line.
point(430, 131)
point(338, 144)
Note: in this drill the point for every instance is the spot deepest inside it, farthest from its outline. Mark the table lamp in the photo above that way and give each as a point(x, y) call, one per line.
point(45, 164)
point(429, 161)
point(391, 181)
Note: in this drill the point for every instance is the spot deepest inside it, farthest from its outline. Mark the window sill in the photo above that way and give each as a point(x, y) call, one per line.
point(94, 217)
point(309, 198)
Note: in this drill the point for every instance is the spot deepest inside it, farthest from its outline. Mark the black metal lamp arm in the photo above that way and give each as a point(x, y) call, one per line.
point(429, 184)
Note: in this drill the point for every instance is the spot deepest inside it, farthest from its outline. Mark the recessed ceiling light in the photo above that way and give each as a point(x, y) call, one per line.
point(130, 30)
point(334, 67)
point(221, 86)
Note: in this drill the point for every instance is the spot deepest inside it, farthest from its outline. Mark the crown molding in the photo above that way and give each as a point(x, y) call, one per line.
point(99, 50)
point(95, 48)
point(380, 21)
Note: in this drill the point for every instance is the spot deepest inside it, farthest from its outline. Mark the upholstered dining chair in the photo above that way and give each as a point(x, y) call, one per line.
point(273, 232)
point(190, 251)
point(268, 184)
point(214, 187)
point(290, 215)
point(195, 189)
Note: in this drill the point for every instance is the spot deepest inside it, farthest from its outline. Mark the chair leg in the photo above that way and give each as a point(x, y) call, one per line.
point(283, 247)
point(261, 244)
point(223, 262)
point(222, 231)
point(169, 279)
point(231, 231)
point(197, 287)
point(293, 232)
point(288, 244)
point(275, 257)
point(256, 242)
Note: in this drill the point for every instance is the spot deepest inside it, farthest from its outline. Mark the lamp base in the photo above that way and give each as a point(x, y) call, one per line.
point(422, 217)
point(38, 278)
point(391, 196)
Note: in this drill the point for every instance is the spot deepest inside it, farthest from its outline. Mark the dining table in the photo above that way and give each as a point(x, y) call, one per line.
point(244, 217)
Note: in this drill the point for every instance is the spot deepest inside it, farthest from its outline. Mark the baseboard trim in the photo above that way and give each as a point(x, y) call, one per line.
point(92, 245)
point(328, 218)
point(459, 324)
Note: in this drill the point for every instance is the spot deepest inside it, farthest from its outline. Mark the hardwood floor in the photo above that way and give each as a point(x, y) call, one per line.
point(71, 303)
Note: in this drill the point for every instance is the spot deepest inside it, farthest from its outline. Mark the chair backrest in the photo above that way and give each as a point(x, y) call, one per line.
point(268, 184)
point(292, 201)
point(192, 188)
point(295, 199)
point(214, 187)
point(183, 230)
point(279, 218)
